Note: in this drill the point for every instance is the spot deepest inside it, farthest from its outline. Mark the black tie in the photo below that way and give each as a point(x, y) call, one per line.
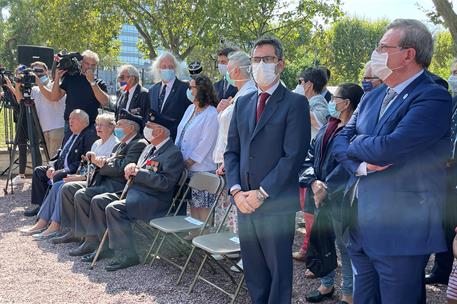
point(162, 97)
point(126, 99)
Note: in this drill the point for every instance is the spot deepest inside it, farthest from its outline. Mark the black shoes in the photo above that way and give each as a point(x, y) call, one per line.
point(68, 237)
point(316, 296)
point(122, 261)
point(31, 211)
point(436, 279)
point(105, 254)
point(84, 249)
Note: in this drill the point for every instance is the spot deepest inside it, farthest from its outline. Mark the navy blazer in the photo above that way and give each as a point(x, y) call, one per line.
point(174, 108)
point(80, 147)
point(219, 87)
point(269, 154)
point(139, 105)
point(399, 209)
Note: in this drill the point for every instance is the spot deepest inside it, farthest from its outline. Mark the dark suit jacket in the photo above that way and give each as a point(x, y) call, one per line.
point(284, 131)
point(174, 108)
point(219, 87)
point(400, 209)
point(151, 193)
point(111, 175)
point(139, 105)
point(324, 167)
point(80, 147)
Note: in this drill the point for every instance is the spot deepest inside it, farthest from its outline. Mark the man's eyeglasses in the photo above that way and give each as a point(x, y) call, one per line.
point(265, 59)
point(382, 48)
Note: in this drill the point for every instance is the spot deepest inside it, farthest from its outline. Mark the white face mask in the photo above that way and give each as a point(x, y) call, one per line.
point(299, 89)
point(452, 81)
point(379, 64)
point(264, 73)
point(147, 133)
point(222, 68)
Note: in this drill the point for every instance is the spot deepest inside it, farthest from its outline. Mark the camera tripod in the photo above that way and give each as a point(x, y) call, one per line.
point(35, 136)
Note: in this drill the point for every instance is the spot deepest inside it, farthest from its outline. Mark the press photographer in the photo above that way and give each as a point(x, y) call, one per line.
point(75, 77)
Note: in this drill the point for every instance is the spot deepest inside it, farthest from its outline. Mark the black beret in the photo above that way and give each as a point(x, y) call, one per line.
point(124, 114)
point(195, 67)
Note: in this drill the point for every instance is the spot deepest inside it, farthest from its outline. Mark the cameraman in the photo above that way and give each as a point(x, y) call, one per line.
point(83, 91)
point(20, 119)
point(50, 114)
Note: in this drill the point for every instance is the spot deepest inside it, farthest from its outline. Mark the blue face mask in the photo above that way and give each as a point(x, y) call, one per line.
point(367, 85)
point(167, 75)
point(44, 79)
point(123, 83)
point(119, 133)
point(190, 96)
point(332, 110)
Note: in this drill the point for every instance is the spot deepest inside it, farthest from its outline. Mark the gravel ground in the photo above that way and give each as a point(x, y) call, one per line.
point(40, 272)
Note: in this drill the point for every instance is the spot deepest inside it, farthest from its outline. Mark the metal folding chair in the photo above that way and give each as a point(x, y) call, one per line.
point(174, 226)
point(223, 244)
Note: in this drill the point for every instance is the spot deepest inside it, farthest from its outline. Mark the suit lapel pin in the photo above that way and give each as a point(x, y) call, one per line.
point(405, 96)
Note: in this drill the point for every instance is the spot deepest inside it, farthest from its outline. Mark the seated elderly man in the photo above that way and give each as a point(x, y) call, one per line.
point(108, 180)
point(67, 159)
point(154, 178)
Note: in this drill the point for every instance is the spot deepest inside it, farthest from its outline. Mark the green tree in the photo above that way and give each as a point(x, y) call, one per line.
point(347, 45)
point(445, 14)
point(443, 54)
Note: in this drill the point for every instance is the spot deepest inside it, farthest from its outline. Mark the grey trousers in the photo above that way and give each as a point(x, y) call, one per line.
point(97, 219)
point(119, 227)
point(68, 208)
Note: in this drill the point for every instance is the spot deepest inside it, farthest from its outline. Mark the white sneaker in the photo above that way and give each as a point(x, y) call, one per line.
point(240, 264)
point(18, 180)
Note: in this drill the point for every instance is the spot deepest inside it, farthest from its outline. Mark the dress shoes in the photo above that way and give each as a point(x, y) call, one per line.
point(31, 211)
point(68, 237)
point(122, 261)
point(105, 254)
point(432, 278)
point(84, 249)
point(316, 296)
point(41, 236)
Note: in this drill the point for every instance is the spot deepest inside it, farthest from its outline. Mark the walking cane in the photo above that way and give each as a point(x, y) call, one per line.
point(105, 235)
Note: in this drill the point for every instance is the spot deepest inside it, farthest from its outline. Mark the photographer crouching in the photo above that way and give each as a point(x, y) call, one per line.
point(83, 90)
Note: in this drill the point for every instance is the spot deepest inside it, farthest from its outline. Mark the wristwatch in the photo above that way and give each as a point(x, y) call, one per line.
point(92, 83)
point(260, 195)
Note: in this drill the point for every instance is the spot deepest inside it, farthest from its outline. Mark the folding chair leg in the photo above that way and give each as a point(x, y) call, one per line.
point(238, 289)
point(99, 249)
point(158, 249)
point(191, 287)
point(150, 249)
point(185, 265)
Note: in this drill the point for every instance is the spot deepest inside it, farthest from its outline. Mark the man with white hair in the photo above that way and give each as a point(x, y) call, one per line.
point(68, 159)
point(84, 91)
point(168, 98)
point(134, 96)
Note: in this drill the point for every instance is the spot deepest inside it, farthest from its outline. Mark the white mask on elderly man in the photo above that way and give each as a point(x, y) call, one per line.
point(147, 133)
point(264, 73)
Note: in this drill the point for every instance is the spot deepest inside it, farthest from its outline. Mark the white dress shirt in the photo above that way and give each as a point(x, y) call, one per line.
point(131, 91)
point(199, 138)
point(224, 119)
point(106, 148)
point(167, 90)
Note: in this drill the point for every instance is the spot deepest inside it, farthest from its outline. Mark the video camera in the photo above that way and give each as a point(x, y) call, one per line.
point(69, 62)
point(25, 77)
point(5, 74)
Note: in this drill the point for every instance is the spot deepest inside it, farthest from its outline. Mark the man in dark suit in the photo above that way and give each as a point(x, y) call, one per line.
point(168, 99)
point(395, 152)
point(155, 176)
point(135, 97)
point(109, 180)
point(67, 159)
point(224, 90)
point(265, 185)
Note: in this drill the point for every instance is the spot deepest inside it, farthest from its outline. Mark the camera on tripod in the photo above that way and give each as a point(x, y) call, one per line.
point(5, 74)
point(69, 62)
point(26, 78)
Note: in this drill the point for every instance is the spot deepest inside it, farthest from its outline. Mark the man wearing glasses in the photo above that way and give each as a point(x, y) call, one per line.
point(395, 148)
point(134, 98)
point(264, 185)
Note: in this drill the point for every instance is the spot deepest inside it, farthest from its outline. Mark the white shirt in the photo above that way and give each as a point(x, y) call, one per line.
point(167, 90)
point(50, 113)
point(199, 138)
point(143, 157)
point(106, 148)
point(224, 118)
point(131, 91)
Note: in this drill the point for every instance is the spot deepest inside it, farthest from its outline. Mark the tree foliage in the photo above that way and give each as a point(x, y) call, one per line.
point(443, 54)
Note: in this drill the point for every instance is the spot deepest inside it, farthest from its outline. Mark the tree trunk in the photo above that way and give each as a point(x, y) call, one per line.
point(444, 9)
